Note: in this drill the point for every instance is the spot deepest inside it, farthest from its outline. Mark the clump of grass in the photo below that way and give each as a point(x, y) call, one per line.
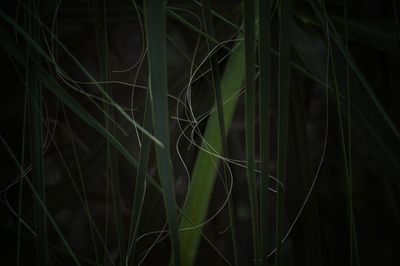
point(312, 37)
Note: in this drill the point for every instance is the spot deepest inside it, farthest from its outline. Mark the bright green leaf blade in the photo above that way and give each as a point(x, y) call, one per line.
point(204, 172)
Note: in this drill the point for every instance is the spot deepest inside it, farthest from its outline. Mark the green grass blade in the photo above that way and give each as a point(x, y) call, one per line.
point(216, 82)
point(283, 110)
point(23, 143)
point(140, 186)
point(249, 43)
point(350, 209)
point(204, 172)
point(156, 41)
point(348, 151)
point(265, 113)
point(34, 89)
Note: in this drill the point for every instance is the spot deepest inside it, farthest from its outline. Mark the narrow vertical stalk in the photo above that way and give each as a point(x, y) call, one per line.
point(353, 239)
point(38, 169)
point(265, 99)
point(249, 43)
point(349, 201)
point(112, 155)
point(156, 42)
point(216, 82)
point(283, 110)
point(23, 143)
point(348, 157)
point(140, 186)
point(38, 180)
